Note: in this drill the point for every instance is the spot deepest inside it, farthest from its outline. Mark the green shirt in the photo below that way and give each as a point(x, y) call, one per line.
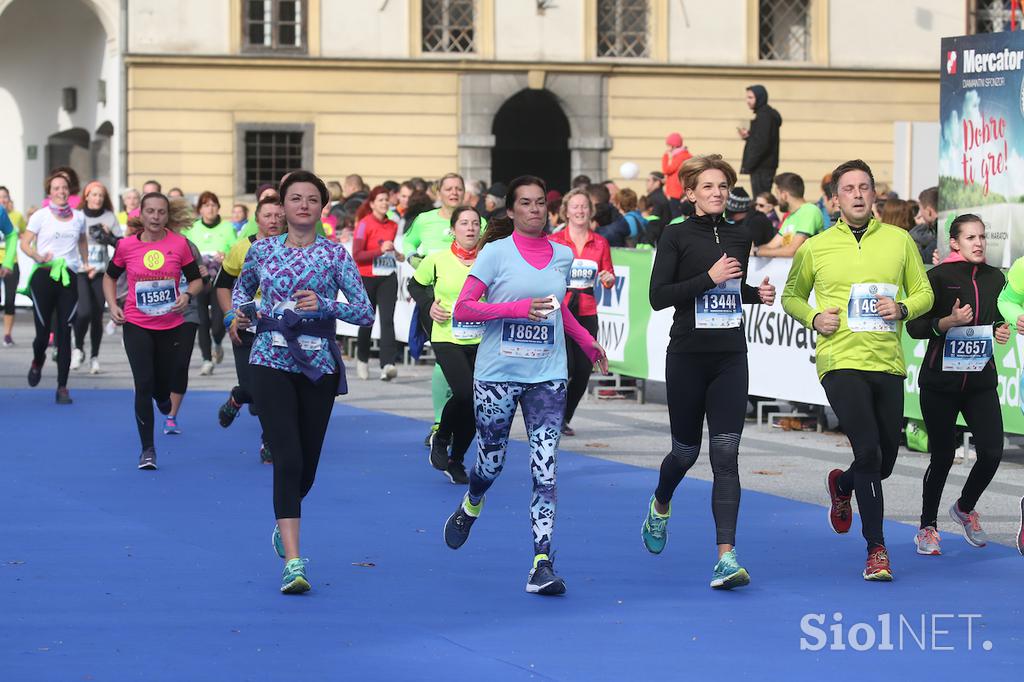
point(806, 220)
point(1011, 298)
point(431, 232)
point(447, 274)
point(210, 240)
point(830, 264)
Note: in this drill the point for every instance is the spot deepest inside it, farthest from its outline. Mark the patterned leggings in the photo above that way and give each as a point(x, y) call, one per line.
point(543, 410)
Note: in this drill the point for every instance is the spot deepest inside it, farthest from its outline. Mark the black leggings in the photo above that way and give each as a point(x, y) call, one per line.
point(580, 367)
point(151, 354)
point(458, 420)
point(294, 413)
point(985, 420)
point(210, 323)
point(712, 384)
point(382, 292)
point(90, 312)
point(182, 358)
point(242, 392)
point(53, 301)
point(870, 410)
point(11, 290)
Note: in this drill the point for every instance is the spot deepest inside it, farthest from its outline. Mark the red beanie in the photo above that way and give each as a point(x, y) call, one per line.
point(674, 140)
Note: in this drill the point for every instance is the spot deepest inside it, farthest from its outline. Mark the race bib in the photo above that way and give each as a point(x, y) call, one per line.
point(384, 265)
point(967, 349)
point(527, 339)
point(155, 296)
point(582, 274)
point(97, 254)
point(719, 307)
point(862, 310)
point(306, 343)
point(466, 331)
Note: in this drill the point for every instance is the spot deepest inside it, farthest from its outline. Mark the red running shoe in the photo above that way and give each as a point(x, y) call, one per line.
point(840, 515)
point(877, 567)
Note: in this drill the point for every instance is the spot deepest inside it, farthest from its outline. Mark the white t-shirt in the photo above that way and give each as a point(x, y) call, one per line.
point(58, 237)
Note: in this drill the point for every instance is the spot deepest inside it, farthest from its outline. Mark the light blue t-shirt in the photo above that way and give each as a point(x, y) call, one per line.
point(520, 350)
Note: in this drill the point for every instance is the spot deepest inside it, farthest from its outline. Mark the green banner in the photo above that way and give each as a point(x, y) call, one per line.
point(624, 312)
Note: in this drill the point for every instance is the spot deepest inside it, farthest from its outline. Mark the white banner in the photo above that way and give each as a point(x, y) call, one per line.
point(404, 307)
point(613, 315)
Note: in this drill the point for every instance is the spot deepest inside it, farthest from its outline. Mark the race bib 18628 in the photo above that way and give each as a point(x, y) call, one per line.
point(155, 296)
point(967, 349)
point(582, 274)
point(862, 309)
point(719, 307)
point(527, 339)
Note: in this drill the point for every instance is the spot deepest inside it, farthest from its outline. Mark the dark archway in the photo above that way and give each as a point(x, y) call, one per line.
point(71, 148)
point(531, 136)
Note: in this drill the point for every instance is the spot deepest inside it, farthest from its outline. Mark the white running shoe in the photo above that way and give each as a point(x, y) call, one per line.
point(362, 370)
point(207, 369)
point(927, 541)
point(94, 366)
point(388, 372)
point(77, 357)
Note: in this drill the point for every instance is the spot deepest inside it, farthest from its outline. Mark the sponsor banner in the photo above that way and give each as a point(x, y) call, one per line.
point(404, 307)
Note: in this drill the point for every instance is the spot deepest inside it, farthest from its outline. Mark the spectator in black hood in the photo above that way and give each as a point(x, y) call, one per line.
point(925, 232)
point(761, 152)
point(739, 211)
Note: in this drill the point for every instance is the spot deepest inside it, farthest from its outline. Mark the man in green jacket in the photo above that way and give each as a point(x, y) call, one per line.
point(867, 278)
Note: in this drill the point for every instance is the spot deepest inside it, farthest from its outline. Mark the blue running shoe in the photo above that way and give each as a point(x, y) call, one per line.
point(655, 530)
point(543, 580)
point(293, 579)
point(728, 573)
point(171, 426)
point(278, 544)
point(456, 528)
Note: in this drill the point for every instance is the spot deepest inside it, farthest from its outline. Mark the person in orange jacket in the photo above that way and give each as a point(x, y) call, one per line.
point(672, 160)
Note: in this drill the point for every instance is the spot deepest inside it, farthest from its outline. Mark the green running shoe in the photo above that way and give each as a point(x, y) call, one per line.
point(293, 579)
point(728, 573)
point(655, 530)
point(278, 544)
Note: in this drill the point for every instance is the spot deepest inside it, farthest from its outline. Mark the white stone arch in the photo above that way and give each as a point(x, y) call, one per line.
point(107, 11)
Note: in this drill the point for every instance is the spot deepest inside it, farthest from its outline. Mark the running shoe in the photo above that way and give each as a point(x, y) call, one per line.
point(567, 430)
point(265, 455)
point(840, 514)
point(655, 528)
point(63, 396)
point(293, 578)
point(728, 573)
point(227, 412)
point(1020, 529)
point(206, 369)
point(218, 353)
point(35, 373)
point(973, 533)
point(456, 473)
point(927, 541)
point(8, 341)
point(278, 543)
point(171, 426)
point(94, 366)
point(430, 435)
point(147, 460)
point(388, 372)
point(458, 525)
point(77, 358)
point(877, 567)
point(362, 370)
point(439, 452)
point(543, 580)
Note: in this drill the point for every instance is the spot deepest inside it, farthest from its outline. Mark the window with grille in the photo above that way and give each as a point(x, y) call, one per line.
point(989, 16)
point(274, 25)
point(448, 26)
point(269, 154)
point(622, 28)
point(784, 32)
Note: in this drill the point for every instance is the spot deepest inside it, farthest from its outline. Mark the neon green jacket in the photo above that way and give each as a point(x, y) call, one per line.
point(832, 261)
point(1011, 299)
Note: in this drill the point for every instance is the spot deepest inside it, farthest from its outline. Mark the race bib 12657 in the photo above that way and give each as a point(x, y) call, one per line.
point(967, 349)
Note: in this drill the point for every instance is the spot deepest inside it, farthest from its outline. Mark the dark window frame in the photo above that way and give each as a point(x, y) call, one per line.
point(767, 49)
point(990, 18)
point(447, 41)
point(620, 50)
point(275, 25)
point(242, 130)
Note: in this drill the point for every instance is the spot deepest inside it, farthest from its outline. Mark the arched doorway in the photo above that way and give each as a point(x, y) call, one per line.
point(101, 144)
point(531, 136)
point(70, 148)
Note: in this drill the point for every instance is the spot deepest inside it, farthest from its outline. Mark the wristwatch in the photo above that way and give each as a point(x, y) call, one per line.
point(904, 313)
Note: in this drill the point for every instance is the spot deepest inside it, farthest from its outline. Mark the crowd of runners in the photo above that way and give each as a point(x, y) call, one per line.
point(509, 309)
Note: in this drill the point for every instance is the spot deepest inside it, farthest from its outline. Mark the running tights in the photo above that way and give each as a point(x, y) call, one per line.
point(870, 410)
point(10, 290)
point(580, 367)
point(90, 313)
point(543, 409)
point(211, 322)
point(984, 420)
point(383, 294)
point(53, 301)
point(715, 385)
point(242, 392)
point(457, 362)
point(183, 358)
point(294, 413)
point(151, 354)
